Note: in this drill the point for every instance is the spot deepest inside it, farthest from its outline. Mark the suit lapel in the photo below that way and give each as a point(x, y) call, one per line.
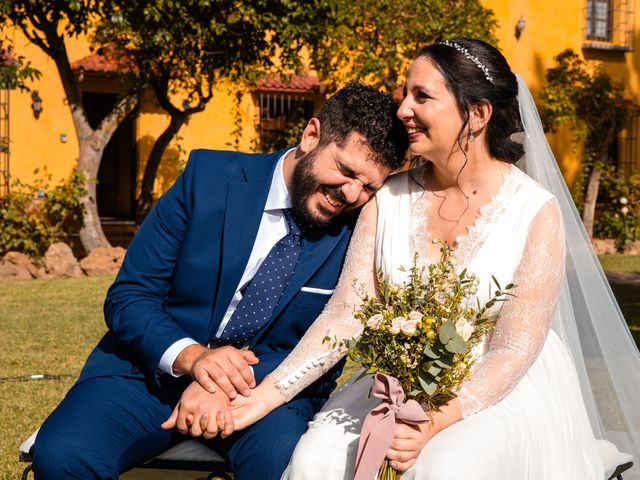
point(246, 199)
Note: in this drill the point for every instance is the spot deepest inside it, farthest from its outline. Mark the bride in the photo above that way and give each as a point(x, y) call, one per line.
point(559, 369)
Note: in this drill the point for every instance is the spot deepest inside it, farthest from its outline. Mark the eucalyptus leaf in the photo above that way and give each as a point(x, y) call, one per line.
point(457, 345)
point(447, 332)
point(428, 351)
point(428, 387)
point(426, 366)
point(443, 362)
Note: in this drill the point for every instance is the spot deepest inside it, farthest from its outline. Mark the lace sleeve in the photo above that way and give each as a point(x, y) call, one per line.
point(524, 321)
point(312, 357)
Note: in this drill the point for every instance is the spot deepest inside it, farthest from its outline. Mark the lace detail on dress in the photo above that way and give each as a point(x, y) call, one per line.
point(313, 357)
point(468, 244)
point(524, 321)
point(419, 238)
point(523, 325)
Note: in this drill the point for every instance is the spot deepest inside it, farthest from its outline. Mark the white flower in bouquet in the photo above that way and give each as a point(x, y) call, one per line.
point(410, 326)
point(422, 333)
point(375, 321)
point(465, 328)
point(396, 325)
point(623, 200)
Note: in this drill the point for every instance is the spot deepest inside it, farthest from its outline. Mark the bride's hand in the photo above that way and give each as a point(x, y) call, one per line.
point(408, 441)
point(263, 399)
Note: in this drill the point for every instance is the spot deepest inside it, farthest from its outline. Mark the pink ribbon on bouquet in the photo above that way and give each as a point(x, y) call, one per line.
point(379, 424)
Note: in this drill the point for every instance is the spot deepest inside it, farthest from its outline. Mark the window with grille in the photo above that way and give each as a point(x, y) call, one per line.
point(609, 24)
point(599, 20)
point(626, 153)
point(283, 117)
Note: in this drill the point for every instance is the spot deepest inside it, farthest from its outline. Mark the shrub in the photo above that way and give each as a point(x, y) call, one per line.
point(620, 216)
point(35, 216)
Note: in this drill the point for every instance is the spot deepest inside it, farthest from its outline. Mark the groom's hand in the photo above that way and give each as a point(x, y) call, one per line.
point(200, 413)
point(227, 367)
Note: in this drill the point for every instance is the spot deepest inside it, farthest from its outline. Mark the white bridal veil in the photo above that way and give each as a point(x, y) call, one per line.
point(588, 319)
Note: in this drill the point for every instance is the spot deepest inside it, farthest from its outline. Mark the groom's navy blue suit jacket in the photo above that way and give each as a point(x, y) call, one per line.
point(184, 264)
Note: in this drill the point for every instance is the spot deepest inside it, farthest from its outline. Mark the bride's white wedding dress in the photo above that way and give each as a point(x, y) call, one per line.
point(524, 416)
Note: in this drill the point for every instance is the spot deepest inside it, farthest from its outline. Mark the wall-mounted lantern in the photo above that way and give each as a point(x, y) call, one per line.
point(520, 26)
point(36, 104)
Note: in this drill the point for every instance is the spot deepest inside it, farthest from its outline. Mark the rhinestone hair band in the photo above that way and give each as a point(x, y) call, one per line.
point(473, 58)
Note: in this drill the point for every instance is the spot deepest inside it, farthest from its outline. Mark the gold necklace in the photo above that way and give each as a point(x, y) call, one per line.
point(443, 201)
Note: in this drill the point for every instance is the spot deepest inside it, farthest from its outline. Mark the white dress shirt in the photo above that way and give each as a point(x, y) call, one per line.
point(273, 227)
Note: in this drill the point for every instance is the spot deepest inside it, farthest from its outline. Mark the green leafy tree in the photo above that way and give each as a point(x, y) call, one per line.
point(49, 24)
point(182, 49)
point(15, 70)
point(585, 97)
point(376, 40)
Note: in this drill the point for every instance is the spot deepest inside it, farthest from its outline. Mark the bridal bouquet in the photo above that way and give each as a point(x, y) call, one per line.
point(417, 339)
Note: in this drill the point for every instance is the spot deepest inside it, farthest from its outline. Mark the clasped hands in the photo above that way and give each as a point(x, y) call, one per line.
point(211, 404)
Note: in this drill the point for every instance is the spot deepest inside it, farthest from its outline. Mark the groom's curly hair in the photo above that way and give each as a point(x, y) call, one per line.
point(364, 110)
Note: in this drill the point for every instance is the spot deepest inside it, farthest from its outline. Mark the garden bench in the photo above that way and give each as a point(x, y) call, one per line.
point(192, 455)
point(187, 455)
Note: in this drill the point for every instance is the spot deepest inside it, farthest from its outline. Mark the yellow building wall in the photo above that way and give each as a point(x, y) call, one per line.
point(214, 128)
point(550, 28)
point(35, 143)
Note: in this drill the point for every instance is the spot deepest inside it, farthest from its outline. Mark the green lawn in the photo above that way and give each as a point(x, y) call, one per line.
point(621, 263)
point(626, 293)
point(48, 327)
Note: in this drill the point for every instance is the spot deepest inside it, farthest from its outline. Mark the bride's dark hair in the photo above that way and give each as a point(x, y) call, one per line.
point(469, 84)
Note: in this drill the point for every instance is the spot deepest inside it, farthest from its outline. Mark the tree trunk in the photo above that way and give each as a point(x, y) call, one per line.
point(145, 201)
point(590, 198)
point(91, 142)
point(91, 234)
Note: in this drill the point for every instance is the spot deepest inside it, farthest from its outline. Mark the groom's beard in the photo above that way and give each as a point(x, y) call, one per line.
point(303, 185)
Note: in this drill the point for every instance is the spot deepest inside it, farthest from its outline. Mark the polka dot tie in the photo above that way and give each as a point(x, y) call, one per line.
point(265, 289)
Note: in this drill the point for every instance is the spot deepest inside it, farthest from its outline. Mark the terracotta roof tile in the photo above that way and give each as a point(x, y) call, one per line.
point(95, 63)
point(289, 84)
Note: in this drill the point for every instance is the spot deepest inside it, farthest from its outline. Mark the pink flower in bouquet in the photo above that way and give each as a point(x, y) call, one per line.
point(410, 325)
point(375, 321)
point(396, 325)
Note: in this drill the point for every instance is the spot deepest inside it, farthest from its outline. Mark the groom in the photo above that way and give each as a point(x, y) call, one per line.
point(188, 304)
